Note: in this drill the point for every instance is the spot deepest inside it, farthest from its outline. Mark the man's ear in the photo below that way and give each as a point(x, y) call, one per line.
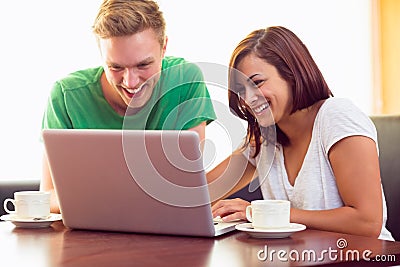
point(164, 48)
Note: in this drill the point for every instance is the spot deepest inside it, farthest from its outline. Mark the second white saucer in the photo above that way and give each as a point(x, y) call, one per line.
point(270, 233)
point(32, 223)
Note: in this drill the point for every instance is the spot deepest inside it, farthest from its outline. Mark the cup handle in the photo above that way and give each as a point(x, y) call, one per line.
point(248, 213)
point(5, 205)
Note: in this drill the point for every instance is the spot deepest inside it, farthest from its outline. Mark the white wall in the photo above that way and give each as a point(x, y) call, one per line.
point(43, 40)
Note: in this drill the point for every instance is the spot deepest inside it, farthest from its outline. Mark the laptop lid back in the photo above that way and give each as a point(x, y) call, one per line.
point(130, 181)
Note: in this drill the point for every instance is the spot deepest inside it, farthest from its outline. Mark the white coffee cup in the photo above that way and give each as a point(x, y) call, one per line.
point(268, 214)
point(29, 205)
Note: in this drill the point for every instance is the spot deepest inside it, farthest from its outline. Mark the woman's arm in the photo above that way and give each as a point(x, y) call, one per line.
point(355, 164)
point(231, 175)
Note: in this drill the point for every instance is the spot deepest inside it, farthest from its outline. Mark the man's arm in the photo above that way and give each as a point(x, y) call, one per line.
point(201, 130)
point(46, 184)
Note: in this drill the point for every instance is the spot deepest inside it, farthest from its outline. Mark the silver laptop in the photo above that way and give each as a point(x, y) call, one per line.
point(131, 181)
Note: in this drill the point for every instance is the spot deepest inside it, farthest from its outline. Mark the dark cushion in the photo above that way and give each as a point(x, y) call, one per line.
point(248, 195)
point(388, 128)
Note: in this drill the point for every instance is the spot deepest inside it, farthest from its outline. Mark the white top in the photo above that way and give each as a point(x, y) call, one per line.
point(315, 186)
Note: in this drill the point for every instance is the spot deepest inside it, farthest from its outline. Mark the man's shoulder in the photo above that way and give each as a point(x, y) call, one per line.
point(81, 78)
point(181, 67)
point(169, 61)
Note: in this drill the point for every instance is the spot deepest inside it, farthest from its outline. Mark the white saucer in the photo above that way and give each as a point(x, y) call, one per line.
point(32, 223)
point(270, 233)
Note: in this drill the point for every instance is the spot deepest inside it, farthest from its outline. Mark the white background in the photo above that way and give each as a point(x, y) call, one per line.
point(44, 40)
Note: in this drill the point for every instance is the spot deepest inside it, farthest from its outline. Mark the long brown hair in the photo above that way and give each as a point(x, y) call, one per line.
point(281, 48)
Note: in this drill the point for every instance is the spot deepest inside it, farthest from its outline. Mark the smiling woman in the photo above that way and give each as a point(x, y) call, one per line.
point(43, 41)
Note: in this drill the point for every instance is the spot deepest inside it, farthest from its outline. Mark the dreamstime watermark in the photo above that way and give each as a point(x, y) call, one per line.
point(340, 253)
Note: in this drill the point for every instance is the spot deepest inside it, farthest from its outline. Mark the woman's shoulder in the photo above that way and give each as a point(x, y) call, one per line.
point(340, 110)
point(338, 105)
point(340, 117)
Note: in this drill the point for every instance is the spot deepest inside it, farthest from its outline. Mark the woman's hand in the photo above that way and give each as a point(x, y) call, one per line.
point(230, 209)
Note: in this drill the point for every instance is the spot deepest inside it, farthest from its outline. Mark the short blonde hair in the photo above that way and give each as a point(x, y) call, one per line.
point(118, 18)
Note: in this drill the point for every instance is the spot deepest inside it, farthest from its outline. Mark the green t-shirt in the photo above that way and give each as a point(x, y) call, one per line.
point(180, 101)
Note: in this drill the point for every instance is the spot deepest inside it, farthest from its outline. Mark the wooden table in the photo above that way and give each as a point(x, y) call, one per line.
point(58, 246)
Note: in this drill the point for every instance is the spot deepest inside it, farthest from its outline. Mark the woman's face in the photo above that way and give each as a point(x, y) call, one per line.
point(267, 95)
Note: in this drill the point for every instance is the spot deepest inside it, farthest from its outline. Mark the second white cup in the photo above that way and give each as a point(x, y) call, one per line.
point(29, 204)
point(269, 214)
